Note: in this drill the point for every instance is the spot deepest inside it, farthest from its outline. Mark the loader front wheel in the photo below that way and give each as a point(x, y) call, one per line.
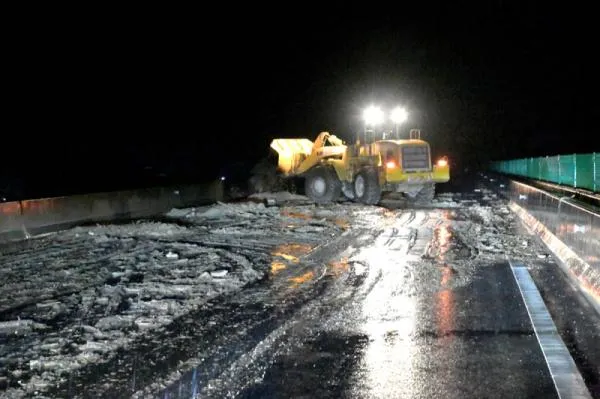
point(366, 187)
point(322, 185)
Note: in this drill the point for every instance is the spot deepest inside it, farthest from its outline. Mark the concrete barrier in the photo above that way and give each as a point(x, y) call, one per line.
point(149, 202)
point(569, 230)
point(11, 222)
point(20, 219)
point(191, 195)
point(47, 214)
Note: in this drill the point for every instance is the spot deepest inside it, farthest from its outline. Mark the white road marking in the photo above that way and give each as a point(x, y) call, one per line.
point(566, 377)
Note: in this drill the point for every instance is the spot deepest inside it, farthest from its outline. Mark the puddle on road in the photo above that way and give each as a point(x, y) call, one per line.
point(444, 299)
point(299, 280)
point(456, 215)
point(276, 267)
point(446, 245)
point(447, 273)
point(291, 251)
point(443, 236)
point(445, 313)
point(338, 268)
point(318, 370)
point(341, 222)
point(286, 254)
point(389, 218)
point(295, 214)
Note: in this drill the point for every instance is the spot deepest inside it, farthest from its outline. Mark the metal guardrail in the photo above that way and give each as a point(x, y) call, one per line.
point(577, 229)
point(552, 187)
point(574, 225)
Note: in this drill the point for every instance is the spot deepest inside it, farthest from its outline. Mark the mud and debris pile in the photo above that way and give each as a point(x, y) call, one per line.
point(73, 298)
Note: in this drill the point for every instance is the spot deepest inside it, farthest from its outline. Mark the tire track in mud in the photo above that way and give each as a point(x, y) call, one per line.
point(10, 304)
point(23, 249)
point(341, 299)
point(56, 258)
point(411, 217)
point(447, 239)
point(252, 317)
point(405, 220)
point(242, 321)
point(392, 237)
point(84, 267)
point(82, 253)
point(325, 317)
point(336, 293)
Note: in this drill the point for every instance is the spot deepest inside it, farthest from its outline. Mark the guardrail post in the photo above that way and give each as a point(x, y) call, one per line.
point(595, 172)
point(575, 170)
point(559, 175)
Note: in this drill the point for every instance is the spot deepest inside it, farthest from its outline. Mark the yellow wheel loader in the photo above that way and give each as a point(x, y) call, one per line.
point(362, 171)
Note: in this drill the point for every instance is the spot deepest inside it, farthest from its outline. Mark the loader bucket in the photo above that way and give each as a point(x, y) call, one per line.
point(291, 153)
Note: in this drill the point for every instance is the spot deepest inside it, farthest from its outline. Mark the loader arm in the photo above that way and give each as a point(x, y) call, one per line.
point(296, 156)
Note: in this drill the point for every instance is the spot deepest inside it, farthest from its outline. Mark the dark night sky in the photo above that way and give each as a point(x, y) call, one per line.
point(191, 91)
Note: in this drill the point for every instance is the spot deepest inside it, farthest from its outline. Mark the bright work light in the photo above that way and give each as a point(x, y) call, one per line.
point(373, 116)
point(399, 115)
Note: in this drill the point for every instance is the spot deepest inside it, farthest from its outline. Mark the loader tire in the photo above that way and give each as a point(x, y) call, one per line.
point(322, 185)
point(366, 187)
point(425, 196)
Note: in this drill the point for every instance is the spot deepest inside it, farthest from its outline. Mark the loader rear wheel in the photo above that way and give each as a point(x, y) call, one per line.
point(366, 187)
point(322, 185)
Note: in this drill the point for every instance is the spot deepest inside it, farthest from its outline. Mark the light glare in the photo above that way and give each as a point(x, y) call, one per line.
point(399, 115)
point(373, 116)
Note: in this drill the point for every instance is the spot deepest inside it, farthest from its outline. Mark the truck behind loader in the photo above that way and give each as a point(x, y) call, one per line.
point(364, 171)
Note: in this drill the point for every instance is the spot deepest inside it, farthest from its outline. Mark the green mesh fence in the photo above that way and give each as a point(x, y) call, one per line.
point(575, 170)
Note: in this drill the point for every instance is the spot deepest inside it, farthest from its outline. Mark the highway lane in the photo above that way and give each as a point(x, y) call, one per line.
point(400, 303)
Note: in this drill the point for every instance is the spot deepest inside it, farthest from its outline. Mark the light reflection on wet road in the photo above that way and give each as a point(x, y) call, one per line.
point(388, 311)
point(406, 303)
point(443, 327)
point(287, 253)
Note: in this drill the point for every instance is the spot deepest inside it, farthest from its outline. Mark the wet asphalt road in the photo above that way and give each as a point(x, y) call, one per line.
point(400, 307)
point(401, 336)
point(404, 304)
